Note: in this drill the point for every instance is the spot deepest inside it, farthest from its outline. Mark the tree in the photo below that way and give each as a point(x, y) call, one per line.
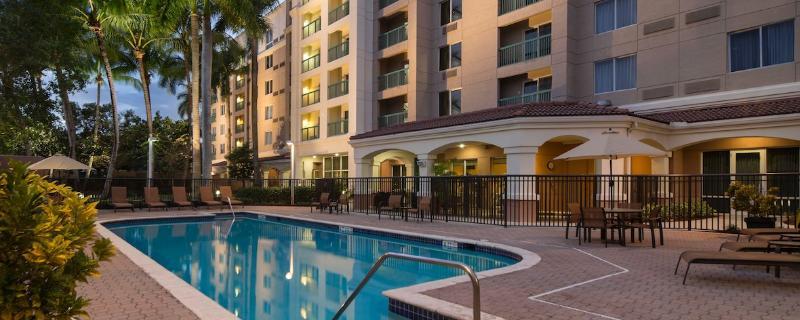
point(48, 245)
point(240, 163)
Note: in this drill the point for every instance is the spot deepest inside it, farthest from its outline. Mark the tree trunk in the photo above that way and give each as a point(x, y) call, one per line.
point(145, 89)
point(101, 44)
point(99, 81)
point(69, 116)
point(254, 108)
point(206, 91)
point(187, 69)
point(195, 94)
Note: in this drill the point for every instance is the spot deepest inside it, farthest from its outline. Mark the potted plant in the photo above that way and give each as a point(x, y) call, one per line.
point(761, 208)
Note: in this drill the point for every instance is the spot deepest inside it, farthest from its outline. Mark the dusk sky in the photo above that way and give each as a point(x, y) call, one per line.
point(131, 99)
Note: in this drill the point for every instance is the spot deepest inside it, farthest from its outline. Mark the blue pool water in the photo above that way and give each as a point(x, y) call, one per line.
point(270, 269)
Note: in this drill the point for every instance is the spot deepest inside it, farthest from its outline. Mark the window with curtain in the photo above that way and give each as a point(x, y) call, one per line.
point(450, 56)
point(764, 46)
point(614, 14)
point(268, 113)
point(615, 74)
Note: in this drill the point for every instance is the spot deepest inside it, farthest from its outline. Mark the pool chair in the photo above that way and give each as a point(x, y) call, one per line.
point(755, 232)
point(394, 205)
point(179, 198)
point(423, 206)
point(323, 202)
point(207, 198)
point(737, 258)
point(119, 199)
point(226, 195)
point(152, 199)
point(595, 218)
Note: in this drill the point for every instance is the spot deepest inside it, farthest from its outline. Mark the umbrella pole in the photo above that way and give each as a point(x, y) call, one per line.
point(611, 178)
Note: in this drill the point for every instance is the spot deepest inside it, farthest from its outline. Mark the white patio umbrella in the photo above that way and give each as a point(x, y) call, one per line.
point(611, 145)
point(58, 162)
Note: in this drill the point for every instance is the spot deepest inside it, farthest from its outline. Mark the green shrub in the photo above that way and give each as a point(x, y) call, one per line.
point(747, 197)
point(47, 245)
point(678, 211)
point(274, 196)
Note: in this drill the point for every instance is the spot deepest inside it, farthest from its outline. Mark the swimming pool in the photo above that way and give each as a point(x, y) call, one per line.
point(268, 268)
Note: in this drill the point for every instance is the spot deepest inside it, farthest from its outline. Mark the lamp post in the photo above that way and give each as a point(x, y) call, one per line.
point(150, 141)
point(291, 169)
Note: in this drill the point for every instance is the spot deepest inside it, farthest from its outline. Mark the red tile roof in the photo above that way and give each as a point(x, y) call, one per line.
point(729, 111)
point(533, 110)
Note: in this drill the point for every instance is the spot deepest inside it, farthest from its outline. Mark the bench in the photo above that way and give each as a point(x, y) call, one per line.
point(737, 258)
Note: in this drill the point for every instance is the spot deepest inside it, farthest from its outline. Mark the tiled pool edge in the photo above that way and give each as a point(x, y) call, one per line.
point(409, 301)
point(201, 305)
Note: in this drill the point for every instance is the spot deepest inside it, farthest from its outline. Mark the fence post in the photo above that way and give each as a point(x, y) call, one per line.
point(505, 201)
point(689, 204)
point(291, 187)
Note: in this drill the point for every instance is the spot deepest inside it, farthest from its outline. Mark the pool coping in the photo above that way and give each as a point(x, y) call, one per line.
point(411, 296)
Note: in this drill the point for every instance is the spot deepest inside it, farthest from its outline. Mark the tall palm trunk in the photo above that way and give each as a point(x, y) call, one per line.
point(101, 44)
point(195, 93)
point(145, 79)
point(254, 107)
point(187, 69)
point(99, 81)
point(206, 87)
point(69, 115)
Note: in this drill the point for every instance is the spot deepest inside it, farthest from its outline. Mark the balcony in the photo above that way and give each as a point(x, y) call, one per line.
point(393, 79)
point(540, 96)
point(312, 27)
point(340, 50)
point(506, 6)
point(523, 51)
point(304, 2)
point(339, 12)
point(392, 119)
point(385, 3)
point(310, 98)
point(338, 89)
point(337, 127)
point(239, 106)
point(239, 128)
point(310, 63)
point(394, 36)
point(309, 133)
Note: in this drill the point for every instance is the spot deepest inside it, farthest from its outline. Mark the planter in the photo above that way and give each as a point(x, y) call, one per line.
point(759, 222)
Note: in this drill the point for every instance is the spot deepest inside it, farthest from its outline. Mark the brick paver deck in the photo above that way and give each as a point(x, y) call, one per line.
point(634, 282)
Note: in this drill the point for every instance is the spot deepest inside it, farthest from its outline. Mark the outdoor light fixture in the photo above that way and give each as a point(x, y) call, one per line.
point(217, 193)
point(461, 146)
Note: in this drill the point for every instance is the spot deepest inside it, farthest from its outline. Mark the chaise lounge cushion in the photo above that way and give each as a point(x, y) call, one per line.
point(741, 258)
point(752, 246)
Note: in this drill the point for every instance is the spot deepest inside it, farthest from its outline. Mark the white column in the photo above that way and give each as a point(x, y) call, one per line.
point(521, 196)
point(426, 163)
point(521, 160)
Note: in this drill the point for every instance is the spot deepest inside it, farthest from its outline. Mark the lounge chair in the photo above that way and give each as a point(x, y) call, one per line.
point(423, 206)
point(152, 199)
point(394, 204)
point(179, 198)
point(750, 246)
point(226, 195)
point(323, 202)
point(737, 258)
point(207, 198)
point(119, 198)
point(573, 218)
point(752, 232)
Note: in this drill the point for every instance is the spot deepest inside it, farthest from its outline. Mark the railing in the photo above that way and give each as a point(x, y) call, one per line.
point(393, 79)
point(385, 3)
point(310, 98)
point(214, 117)
point(392, 119)
point(506, 6)
point(540, 96)
point(394, 36)
point(310, 63)
point(312, 27)
point(302, 2)
point(338, 89)
point(338, 127)
point(239, 106)
point(683, 201)
point(340, 50)
point(310, 133)
point(339, 12)
point(524, 51)
point(239, 128)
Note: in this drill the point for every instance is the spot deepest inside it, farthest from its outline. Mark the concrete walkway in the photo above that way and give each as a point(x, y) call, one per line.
point(571, 281)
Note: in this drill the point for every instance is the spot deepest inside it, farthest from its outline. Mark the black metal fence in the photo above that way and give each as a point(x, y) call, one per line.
point(684, 201)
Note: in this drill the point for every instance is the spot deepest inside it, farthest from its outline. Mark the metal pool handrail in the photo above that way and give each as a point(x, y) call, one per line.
point(476, 287)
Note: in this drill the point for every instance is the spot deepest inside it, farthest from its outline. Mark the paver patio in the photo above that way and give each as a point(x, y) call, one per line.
point(634, 282)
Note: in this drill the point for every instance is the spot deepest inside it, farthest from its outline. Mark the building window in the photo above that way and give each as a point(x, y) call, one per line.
point(450, 10)
point(614, 14)
point(222, 148)
point(239, 81)
point(450, 56)
point(268, 62)
point(222, 110)
point(268, 113)
point(615, 74)
point(239, 142)
point(268, 138)
point(449, 102)
point(268, 87)
point(334, 166)
point(239, 102)
point(763, 46)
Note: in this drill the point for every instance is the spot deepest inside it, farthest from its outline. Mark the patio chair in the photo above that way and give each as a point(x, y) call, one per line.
point(119, 199)
point(179, 198)
point(737, 258)
point(751, 246)
point(379, 199)
point(152, 199)
point(595, 218)
point(423, 206)
point(207, 198)
point(573, 217)
point(394, 204)
point(323, 202)
point(752, 232)
point(226, 195)
point(653, 222)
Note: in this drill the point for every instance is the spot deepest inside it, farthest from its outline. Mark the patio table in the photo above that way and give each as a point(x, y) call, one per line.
point(621, 215)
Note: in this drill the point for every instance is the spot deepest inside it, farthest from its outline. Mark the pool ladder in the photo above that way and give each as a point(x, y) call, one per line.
point(476, 287)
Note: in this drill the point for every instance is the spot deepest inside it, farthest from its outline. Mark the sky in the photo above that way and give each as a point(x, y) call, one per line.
point(131, 99)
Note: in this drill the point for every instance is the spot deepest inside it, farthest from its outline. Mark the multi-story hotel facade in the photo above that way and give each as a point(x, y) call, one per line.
point(491, 87)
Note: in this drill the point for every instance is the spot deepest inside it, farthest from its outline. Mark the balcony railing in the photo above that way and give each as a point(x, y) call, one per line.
point(302, 2)
point(338, 89)
point(310, 98)
point(385, 3)
point(393, 79)
point(392, 119)
point(339, 12)
point(310, 63)
point(312, 27)
point(523, 51)
point(540, 96)
point(394, 36)
point(340, 50)
point(337, 127)
point(506, 6)
point(239, 128)
point(239, 106)
point(310, 133)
